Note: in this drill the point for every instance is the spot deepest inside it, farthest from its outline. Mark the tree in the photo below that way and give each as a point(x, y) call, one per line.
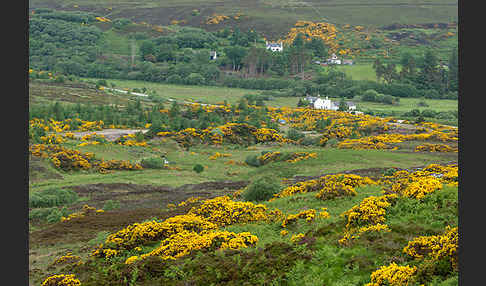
point(390, 73)
point(430, 75)
point(194, 79)
point(147, 48)
point(316, 45)
point(453, 73)
point(235, 54)
point(409, 67)
point(379, 69)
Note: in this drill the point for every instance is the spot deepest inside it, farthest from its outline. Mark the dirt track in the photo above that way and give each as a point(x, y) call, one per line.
point(110, 134)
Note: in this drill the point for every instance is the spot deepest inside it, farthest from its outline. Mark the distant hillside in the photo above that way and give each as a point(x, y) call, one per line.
point(273, 18)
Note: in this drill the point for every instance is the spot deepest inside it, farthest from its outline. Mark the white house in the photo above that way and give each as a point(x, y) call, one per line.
point(274, 47)
point(334, 60)
point(213, 55)
point(326, 103)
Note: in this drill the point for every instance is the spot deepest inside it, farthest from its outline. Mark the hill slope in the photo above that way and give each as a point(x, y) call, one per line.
point(271, 17)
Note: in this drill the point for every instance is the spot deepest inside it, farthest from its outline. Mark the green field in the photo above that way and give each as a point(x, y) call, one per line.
point(213, 95)
point(329, 160)
point(359, 71)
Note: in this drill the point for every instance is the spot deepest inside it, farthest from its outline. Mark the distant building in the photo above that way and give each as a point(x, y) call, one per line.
point(334, 60)
point(326, 103)
point(213, 55)
point(274, 47)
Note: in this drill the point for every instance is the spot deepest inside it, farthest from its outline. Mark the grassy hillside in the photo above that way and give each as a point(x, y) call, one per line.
point(272, 17)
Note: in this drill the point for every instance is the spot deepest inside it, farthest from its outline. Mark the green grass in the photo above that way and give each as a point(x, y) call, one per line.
point(359, 71)
point(328, 160)
point(407, 104)
point(202, 94)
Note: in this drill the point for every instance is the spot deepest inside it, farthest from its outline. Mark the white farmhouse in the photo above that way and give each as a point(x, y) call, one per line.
point(274, 47)
point(334, 60)
point(325, 104)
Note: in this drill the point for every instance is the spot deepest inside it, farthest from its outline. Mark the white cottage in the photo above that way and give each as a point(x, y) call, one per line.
point(274, 47)
point(325, 104)
point(334, 60)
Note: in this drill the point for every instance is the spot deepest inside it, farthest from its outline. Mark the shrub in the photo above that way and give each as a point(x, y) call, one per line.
point(198, 168)
point(54, 216)
point(262, 189)
point(332, 142)
point(422, 103)
point(310, 141)
point(294, 134)
point(194, 79)
point(111, 205)
point(252, 160)
point(428, 113)
point(43, 214)
point(52, 198)
point(369, 95)
point(152, 163)
point(175, 79)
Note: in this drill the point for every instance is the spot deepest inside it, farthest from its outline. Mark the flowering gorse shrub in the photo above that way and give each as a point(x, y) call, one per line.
point(435, 148)
point(86, 211)
point(297, 237)
point(419, 183)
point(393, 275)
point(368, 216)
point(130, 140)
point(151, 231)
point(436, 246)
point(308, 215)
point(69, 159)
point(234, 133)
point(182, 243)
point(61, 280)
point(68, 258)
point(223, 211)
point(328, 186)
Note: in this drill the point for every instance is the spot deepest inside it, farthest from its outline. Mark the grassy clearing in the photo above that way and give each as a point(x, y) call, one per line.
point(203, 94)
point(407, 104)
point(329, 160)
point(359, 71)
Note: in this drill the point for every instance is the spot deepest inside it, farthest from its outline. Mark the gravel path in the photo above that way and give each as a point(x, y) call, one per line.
point(111, 134)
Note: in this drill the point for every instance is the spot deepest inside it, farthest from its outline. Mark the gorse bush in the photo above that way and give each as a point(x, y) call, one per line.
point(52, 198)
point(198, 168)
point(252, 160)
point(152, 163)
point(262, 189)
